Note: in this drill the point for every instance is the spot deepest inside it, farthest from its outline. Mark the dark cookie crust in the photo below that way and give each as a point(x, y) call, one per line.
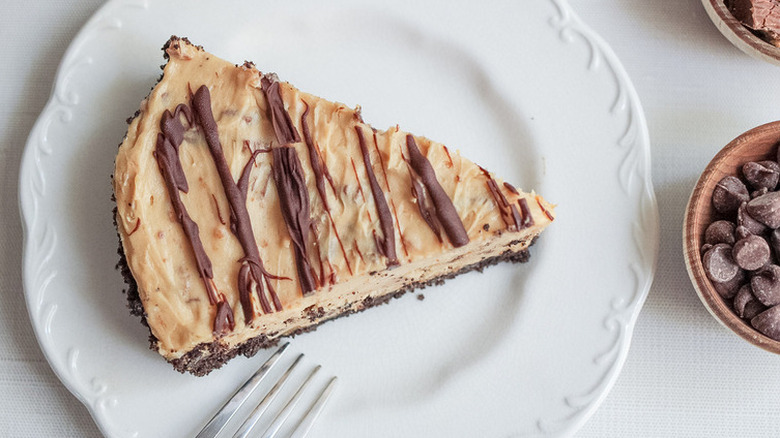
point(207, 357)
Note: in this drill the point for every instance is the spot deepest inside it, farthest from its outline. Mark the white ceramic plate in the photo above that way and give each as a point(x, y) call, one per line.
point(523, 88)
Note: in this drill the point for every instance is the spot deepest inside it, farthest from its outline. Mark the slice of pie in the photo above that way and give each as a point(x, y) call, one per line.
point(248, 210)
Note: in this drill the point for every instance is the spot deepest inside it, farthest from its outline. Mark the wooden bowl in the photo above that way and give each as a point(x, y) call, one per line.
point(755, 145)
point(738, 34)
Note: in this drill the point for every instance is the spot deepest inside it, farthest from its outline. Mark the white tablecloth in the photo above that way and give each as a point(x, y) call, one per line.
point(685, 375)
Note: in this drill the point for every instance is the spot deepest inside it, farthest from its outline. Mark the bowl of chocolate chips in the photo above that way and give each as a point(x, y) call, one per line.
point(753, 26)
point(731, 236)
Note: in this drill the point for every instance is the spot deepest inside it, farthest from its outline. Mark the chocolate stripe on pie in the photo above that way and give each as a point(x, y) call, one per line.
point(424, 204)
point(317, 166)
point(320, 174)
point(509, 214)
point(290, 182)
point(528, 219)
point(387, 186)
point(445, 211)
point(167, 155)
point(280, 118)
point(387, 245)
point(294, 202)
point(241, 223)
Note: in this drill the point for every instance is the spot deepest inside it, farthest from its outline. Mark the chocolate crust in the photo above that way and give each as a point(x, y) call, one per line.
point(174, 42)
point(207, 357)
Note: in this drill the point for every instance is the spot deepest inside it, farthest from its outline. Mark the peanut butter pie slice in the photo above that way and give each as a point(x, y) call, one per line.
point(248, 210)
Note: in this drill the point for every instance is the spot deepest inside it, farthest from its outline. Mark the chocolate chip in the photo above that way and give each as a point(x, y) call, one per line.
point(745, 220)
point(746, 305)
point(720, 232)
point(768, 322)
point(759, 192)
point(753, 308)
point(762, 174)
point(774, 241)
point(743, 297)
point(728, 194)
point(751, 253)
point(766, 285)
point(766, 209)
point(728, 289)
point(719, 263)
point(741, 232)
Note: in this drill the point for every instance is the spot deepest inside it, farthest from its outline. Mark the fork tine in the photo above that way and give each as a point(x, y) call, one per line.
point(229, 409)
point(285, 412)
point(306, 423)
point(249, 423)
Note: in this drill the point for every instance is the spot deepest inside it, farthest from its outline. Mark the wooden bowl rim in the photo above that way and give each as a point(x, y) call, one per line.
point(738, 34)
point(692, 242)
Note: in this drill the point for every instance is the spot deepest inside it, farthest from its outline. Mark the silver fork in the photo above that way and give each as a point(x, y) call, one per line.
point(228, 410)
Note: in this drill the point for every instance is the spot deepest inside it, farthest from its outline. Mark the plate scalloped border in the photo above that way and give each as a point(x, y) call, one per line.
point(40, 238)
point(635, 179)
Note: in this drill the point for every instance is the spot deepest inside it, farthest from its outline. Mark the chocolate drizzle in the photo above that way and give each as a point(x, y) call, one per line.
point(397, 224)
point(294, 201)
point(544, 210)
point(360, 186)
point(245, 290)
point(135, 228)
point(173, 132)
point(167, 155)
point(240, 220)
point(387, 245)
point(280, 119)
point(449, 157)
point(320, 174)
point(509, 214)
point(224, 322)
point(317, 166)
point(216, 207)
point(424, 204)
point(321, 279)
point(442, 204)
point(387, 186)
point(332, 277)
point(290, 182)
point(528, 220)
point(357, 250)
point(427, 210)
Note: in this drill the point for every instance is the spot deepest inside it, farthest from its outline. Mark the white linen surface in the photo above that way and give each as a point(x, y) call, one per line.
point(685, 374)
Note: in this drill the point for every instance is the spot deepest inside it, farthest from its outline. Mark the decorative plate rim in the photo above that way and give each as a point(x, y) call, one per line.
point(635, 174)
